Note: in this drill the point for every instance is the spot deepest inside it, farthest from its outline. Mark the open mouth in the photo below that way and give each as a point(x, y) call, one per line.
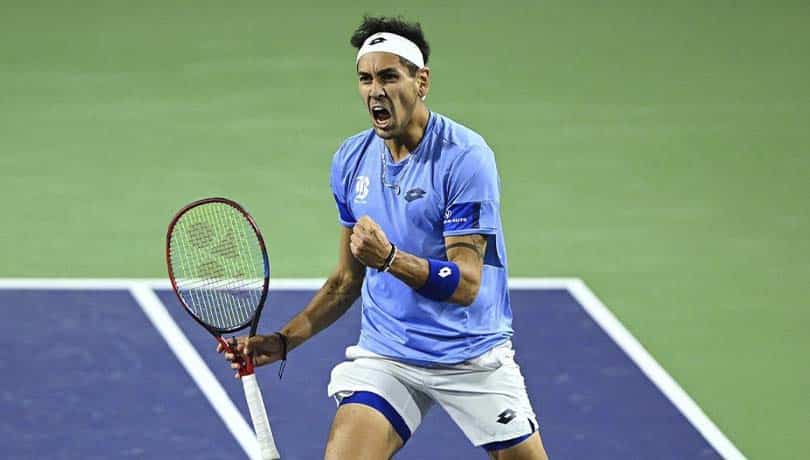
point(381, 116)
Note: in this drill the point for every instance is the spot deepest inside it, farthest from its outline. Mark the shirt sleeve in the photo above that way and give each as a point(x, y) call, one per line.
point(337, 182)
point(473, 195)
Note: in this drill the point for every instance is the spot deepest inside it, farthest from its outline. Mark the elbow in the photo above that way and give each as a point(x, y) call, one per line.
point(467, 291)
point(468, 297)
point(346, 281)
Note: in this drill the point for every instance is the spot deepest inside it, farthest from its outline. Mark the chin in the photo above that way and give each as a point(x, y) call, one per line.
point(384, 133)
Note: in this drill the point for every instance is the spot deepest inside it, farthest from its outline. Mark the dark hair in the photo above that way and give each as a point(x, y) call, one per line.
point(410, 30)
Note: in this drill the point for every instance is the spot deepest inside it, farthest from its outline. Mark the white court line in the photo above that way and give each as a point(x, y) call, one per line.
point(103, 284)
point(592, 305)
point(196, 367)
point(628, 343)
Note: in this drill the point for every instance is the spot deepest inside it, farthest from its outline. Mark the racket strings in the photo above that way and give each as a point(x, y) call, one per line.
point(227, 251)
point(218, 264)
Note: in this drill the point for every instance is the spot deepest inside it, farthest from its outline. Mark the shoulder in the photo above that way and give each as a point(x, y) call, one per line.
point(461, 143)
point(354, 145)
point(347, 157)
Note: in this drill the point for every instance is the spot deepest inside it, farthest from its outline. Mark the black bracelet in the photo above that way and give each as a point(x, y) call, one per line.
point(284, 340)
point(389, 260)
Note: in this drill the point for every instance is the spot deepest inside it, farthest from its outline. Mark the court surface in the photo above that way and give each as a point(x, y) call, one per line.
point(115, 369)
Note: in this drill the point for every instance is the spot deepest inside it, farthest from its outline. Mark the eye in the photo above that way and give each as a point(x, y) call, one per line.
point(365, 78)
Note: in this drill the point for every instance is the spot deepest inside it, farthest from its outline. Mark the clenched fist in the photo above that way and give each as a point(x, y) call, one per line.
point(369, 244)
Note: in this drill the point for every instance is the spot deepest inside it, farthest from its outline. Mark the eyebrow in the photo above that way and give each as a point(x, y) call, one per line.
point(380, 72)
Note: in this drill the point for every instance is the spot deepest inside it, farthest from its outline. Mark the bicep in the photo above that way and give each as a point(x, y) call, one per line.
point(468, 250)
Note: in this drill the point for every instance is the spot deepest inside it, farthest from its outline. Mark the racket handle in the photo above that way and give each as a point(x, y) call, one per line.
point(258, 414)
point(245, 364)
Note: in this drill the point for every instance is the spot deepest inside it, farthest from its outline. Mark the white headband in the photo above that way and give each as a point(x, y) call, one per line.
point(392, 43)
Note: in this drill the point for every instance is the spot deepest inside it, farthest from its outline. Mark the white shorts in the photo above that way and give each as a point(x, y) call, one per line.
point(485, 396)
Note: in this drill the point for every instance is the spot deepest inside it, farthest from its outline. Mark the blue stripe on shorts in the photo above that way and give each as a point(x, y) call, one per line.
point(500, 445)
point(377, 402)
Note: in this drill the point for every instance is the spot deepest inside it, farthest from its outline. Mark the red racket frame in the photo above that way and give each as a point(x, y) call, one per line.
point(245, 363)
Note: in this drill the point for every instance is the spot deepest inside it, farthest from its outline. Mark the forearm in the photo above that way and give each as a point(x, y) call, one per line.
point(414, 271)
point(330, 303)
point(370, 246)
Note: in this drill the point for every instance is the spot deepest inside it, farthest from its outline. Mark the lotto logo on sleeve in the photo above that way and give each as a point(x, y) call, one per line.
point(445, 272)
point(462, 216)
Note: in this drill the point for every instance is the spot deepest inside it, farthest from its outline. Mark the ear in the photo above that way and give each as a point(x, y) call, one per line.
point(423, 82)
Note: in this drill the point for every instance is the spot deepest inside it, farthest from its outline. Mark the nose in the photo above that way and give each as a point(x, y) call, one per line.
point(377, 89)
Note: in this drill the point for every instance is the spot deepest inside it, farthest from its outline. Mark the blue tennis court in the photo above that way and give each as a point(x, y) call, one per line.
point(88, 375)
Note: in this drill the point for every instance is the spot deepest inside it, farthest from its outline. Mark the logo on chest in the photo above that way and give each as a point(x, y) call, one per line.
point(414, 194)
point(361, 189)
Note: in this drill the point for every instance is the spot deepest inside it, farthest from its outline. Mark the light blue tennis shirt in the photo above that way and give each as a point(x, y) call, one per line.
point(448, 186)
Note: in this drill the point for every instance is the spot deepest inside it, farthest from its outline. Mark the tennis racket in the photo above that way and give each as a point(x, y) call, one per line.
point(220, 271)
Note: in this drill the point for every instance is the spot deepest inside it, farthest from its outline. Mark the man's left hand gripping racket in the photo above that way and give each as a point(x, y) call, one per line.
point(220, 271)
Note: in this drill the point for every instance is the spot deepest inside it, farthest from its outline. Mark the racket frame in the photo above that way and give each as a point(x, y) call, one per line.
point(254, 320)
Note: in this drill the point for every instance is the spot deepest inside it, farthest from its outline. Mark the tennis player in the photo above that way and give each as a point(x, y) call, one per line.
point(421, 243)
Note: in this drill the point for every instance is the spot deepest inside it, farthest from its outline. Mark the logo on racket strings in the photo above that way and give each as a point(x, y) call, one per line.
point(216, 252)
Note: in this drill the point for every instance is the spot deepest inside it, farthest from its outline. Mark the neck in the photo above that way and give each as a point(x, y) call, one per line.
point(407, 142)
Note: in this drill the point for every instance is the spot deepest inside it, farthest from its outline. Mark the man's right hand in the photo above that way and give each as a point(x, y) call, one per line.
point(265, 349)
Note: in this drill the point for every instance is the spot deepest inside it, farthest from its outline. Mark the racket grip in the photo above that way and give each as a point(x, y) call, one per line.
point(258, 414)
